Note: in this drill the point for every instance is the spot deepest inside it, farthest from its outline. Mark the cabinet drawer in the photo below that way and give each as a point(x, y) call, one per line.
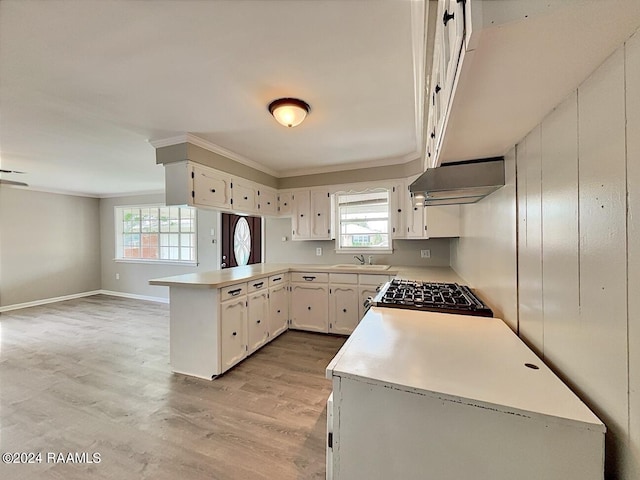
point(277, 279)
point(233, 291)
point(257, 284)
point(346, 278)
point(310, 277)
point(369, 279)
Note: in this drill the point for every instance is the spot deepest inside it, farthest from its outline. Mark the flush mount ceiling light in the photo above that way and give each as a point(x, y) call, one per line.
point(289, 112)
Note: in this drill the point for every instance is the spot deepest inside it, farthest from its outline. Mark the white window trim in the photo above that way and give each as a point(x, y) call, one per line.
point(336, 213)
point(149, 261)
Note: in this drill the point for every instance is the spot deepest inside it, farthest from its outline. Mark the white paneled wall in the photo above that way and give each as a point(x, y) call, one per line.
point(578, 247)
point(603, 250)
point(632, 71)
point(560, 276)
point(530, 241)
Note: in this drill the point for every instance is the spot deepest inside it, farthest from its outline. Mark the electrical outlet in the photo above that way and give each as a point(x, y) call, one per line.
point(319, 252)
point(425, 253)
point(117, 276)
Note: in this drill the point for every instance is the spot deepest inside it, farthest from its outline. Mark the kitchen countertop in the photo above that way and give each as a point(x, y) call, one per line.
point(460, 358)
point(229, 276)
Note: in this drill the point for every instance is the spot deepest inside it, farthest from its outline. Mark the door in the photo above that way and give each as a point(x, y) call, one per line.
point(344, 313)
point(310, 307)
point(301, 220)
point(233, 320)
point(241, 240)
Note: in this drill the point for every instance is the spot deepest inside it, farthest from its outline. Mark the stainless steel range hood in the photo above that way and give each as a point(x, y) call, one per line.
point(459, 182)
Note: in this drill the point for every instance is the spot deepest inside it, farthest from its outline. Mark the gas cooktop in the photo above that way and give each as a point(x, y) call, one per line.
point(433, 297)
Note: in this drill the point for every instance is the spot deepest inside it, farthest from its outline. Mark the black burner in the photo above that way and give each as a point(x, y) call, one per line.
point(438, 297)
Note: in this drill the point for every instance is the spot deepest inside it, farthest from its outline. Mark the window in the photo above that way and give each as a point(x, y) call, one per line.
point(363, 221)
point(156, 234)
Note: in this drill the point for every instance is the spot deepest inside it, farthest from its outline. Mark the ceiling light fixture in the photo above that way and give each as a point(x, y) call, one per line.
point(289, 112)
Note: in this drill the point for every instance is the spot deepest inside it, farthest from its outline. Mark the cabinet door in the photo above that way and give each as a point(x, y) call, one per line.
point(267, 201)
point(320, 214)
point(414, 217)
point(398, 211)
point(310, 307)
point(278, 310)
point(452, 36)
point(233, 333)
point(211, 188)
point(301, 220)
point(245, 196)
point(344, 313)
point(258, 330)
point(443, 221)
point(285, 204)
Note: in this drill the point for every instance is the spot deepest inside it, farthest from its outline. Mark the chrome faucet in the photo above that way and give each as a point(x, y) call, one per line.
point(360, 258)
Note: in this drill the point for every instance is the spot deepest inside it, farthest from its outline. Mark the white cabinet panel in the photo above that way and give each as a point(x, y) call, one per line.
point(267, 201)
point(560, 235)
point(632, 69)
point(301, 219)
point(343, 309)
point(233, 332)
point(398, 210)
point(258, 320)
point(530, 246)
point(310, 307)
point(364, 292)
point(278, 310)
point(245, 196)
point(285, 204)
point(320, 214)
point(211, 188)
point(442, 221)
point(603, 245)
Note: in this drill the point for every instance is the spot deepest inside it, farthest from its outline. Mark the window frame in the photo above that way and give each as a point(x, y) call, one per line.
point(338, 224)
point(119, 233)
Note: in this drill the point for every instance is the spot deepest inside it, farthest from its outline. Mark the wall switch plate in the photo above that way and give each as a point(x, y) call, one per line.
point(319, 251)
point(213, 232)
point(117, 276)
point(425, 253)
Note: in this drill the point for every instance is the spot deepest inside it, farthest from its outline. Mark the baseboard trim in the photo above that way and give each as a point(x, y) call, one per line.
point(133, 296)
point(45, 301)
point(35, 303)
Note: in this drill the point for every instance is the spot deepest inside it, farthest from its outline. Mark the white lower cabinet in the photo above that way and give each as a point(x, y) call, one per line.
point(258, 319)
point(278, 310)
point(310, 302)
point(233, 332)
point(344, 313)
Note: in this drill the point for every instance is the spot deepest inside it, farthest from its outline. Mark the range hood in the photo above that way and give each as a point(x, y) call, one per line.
point(459, 182)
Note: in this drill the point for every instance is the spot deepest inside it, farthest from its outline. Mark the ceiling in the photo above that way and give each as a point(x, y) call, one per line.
point(85, 85)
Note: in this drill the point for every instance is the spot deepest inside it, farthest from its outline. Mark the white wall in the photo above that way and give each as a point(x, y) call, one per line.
point(49, 245)
point(406, 252)
point(485, 254)
point(134, 277)
point(578, 249)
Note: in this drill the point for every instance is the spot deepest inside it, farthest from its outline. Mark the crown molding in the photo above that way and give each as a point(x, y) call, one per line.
point(212, 147)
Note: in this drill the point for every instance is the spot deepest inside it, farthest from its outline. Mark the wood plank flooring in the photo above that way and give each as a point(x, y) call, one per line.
point(93, 375)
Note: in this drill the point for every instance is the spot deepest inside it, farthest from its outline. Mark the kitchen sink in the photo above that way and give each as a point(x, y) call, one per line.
point(362, 267)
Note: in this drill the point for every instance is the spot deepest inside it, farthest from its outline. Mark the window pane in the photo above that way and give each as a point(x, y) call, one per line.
point(363, 220)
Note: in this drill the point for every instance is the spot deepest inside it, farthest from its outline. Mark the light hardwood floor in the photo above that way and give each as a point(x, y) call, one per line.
point(93, 375)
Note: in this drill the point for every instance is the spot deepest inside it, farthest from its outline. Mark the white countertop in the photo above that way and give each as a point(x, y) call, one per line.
point(459, 358)
point(229, 276)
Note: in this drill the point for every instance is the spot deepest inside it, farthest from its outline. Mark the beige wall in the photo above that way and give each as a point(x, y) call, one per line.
point(134, 277)
point(485, 254)
point(578, 191)
point(49, 245)
point(406, 252)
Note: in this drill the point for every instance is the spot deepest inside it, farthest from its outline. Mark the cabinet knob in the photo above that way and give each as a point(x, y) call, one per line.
point(302, 214)
point(399, 210)
point(234, 334)
point(268, 203)
point(285, 204)
point(344, 310)
point(213, 190)
point(257, 321)
point(278, 311)
point(433, 134)
point(308, 308)
point(438, 88)
point(318, 214)
point(447, 16)
point(246, 198)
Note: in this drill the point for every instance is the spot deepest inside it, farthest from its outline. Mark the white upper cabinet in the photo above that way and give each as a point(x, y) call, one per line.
point(285, 204)
point(311, 219)
point(398, 210)
point(245, 196)
point(442, 221)
point(267, 201)
point(211, 188)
